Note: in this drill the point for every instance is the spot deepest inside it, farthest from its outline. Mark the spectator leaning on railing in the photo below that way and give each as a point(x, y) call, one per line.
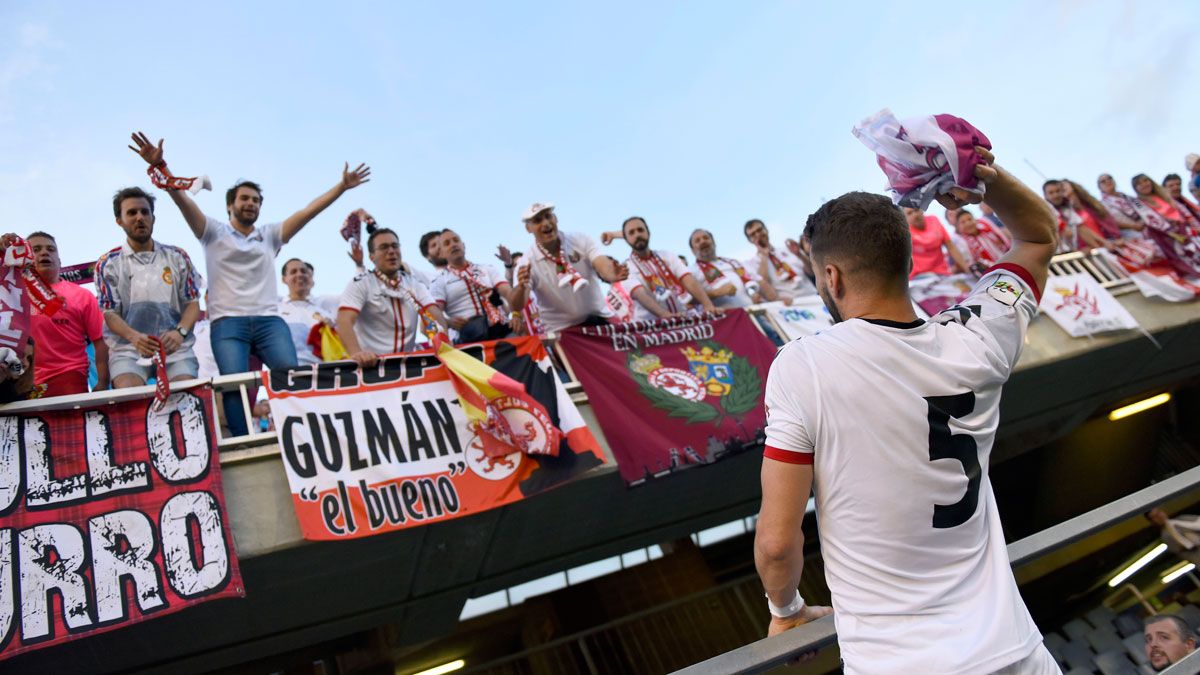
point(780, 266)
point(659, 281)
point(240, 259)
point(381, 310)
point(150, 295)
point(1168, 639)
point(470, 294)
point(985, 244)
point(61, 340)
point(1173, 184)
point(563, 270)
point(727, 281)
point(1121, 207)
point(1077, 230)
point(301, 311)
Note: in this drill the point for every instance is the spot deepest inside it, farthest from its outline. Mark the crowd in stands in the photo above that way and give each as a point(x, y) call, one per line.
point(148, 293)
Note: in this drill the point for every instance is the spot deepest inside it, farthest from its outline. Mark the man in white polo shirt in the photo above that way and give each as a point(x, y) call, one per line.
point(727, 281)
point(470, 294)
point(667, 287)
point(240, 260)
point(564, 271)
point(381, 310)
point(781, 267)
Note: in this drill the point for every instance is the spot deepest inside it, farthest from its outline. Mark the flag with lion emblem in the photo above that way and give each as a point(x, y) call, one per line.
point(675, 393)
point(396, 445)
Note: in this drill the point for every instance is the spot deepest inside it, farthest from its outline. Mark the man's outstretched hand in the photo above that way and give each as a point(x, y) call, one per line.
point(809, 613)
point(352, 179)
point(153, 154)
point(957, 197)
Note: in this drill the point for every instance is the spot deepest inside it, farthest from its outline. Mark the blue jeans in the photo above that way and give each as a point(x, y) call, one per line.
point(234, 338)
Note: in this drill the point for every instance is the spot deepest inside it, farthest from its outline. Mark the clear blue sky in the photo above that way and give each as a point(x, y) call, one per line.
point(691, 114)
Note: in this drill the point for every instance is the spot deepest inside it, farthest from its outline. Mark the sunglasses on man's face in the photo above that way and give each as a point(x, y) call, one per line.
point(541, 217)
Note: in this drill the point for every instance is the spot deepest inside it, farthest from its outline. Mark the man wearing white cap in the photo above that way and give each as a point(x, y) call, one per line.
point(564, 271)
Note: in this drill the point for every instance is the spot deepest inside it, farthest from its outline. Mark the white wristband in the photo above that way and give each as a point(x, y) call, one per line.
point(794, 607)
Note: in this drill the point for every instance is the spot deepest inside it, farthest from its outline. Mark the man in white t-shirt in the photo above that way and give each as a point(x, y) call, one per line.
point(470, 294)
point(779, 266)
point(564, 271)
point(381, 310)
point(301, 310)
point(430, 247)
point(727, 281)
point(240, 260)
point(659, 282)
point(892, 419)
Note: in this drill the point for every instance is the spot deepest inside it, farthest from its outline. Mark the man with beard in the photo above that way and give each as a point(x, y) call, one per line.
point(431, 250)
point(563, 270)
point(1168, 639)
point(150, 295)
point(659, 280)
point(61, 340)
point(782, 268)
point(1174, 186)
point(893, 420)
point(381, 309)
point(240, 261)
point(727, 281)
point(470, 294)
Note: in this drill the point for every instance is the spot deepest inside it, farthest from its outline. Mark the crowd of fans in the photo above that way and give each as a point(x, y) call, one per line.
point(148, 294)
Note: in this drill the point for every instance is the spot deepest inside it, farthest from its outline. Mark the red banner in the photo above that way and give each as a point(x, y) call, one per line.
point(675, 393)
point(112, 515)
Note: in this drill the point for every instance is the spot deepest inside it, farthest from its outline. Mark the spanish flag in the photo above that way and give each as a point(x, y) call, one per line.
point(485, 393)
point(326, 344)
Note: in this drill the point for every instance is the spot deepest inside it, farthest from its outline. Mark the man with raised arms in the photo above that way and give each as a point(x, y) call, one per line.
point(240, 261)
point(470, 294)
point(892, 420)
point(563, 270)
point(381, 310)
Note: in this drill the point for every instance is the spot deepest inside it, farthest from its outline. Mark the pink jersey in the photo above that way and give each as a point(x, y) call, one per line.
point(927, 253)
point(60, 341)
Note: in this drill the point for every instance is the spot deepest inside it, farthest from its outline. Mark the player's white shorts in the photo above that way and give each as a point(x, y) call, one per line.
point(1040, 662)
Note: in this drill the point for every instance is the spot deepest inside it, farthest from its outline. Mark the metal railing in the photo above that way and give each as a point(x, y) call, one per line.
point(775, 651)
point(1098, 265)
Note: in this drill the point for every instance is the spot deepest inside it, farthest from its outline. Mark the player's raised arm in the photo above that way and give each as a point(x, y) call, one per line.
point(1029, 220)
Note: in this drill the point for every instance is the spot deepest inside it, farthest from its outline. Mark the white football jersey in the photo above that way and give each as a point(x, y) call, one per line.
point(387, 319)
point(898, 421)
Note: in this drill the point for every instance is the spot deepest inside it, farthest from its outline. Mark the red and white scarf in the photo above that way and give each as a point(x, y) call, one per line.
point(163, 179)
point(567, 276)
point(396, 288)
point(712, 272)
point(657, 270)
point(479, 292)
point(18, 253)
point(782, 269)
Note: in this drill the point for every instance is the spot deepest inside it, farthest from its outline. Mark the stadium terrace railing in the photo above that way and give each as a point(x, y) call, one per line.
point(776, 651)
point(1095, 263)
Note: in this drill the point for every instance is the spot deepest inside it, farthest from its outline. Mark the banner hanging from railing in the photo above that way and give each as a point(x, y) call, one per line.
point(805, 316)
point(379, 449)
point(113, 515)
point(674, 393)
point(1082, 307)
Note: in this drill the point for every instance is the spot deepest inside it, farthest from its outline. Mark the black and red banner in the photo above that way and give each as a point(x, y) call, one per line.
point(111, 515)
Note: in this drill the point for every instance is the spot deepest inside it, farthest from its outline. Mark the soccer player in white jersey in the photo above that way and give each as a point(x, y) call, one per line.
point(658, 280)
point(781, 267)
point(468, 294)
point(727, 281)
point(892, 420)
point(381, 310)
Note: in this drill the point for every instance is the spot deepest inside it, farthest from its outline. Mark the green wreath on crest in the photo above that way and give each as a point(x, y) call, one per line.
point(741, 399)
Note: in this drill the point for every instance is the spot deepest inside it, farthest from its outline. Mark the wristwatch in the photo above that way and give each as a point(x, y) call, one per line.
point(182, 331)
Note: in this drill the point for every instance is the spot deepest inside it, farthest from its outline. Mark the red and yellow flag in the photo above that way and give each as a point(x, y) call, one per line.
point(485, 393)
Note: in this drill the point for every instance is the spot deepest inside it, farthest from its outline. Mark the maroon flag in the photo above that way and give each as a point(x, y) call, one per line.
point(113, 515)
point(675, 393)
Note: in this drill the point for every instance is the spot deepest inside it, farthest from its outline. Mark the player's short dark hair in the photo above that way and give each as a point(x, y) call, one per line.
point(231, 193)
point(866, 233)
point(750, 223)
point(1048, 183)
point(130, 193)
point(630, 219)
point(283, 270)
point(1171, 176)
point(1185, 631)
point(43, 235)
point(378, 231)
point(423, 245)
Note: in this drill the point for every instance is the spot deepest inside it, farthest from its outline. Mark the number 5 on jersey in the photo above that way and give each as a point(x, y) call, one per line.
point(946, 445)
